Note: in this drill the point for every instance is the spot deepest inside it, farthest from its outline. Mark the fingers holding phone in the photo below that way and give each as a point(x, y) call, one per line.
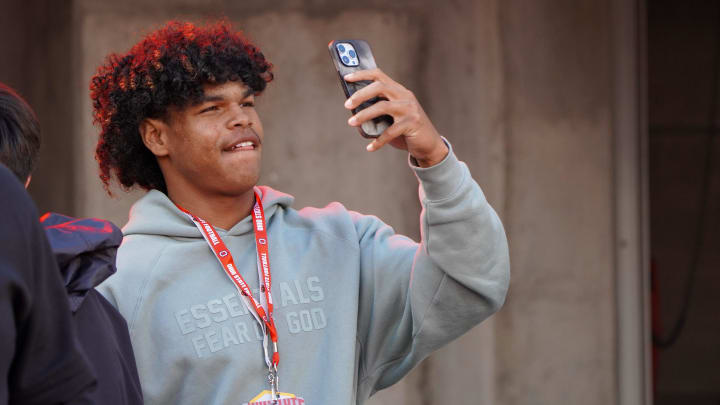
point(411, 130)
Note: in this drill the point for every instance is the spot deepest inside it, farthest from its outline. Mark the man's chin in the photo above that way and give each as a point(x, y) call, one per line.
point(240, 186)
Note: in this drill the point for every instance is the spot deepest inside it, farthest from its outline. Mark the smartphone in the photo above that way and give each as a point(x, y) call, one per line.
point(350, 55)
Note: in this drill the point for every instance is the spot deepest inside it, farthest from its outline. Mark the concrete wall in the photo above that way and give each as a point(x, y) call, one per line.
point(521, 89)
point(556, 333)
point(11, 22)
point(36, 57)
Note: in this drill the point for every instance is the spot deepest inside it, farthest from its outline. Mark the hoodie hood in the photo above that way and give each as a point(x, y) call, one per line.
point(156, 214)
point(84, 250)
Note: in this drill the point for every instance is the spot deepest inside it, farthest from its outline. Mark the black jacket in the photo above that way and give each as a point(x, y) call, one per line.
point(40, 361)
point(85, 252)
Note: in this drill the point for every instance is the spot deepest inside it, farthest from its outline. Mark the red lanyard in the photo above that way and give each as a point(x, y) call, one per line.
point(222, 253)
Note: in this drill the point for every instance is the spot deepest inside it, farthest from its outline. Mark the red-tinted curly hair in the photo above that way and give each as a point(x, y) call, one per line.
point(169, 67)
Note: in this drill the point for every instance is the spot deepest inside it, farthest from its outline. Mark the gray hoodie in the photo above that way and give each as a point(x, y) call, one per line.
point(356, 305)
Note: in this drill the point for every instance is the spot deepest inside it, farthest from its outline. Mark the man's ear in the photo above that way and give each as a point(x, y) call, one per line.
point(154, 134)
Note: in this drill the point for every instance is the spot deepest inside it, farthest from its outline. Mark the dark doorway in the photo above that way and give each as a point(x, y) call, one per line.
point(684, 121)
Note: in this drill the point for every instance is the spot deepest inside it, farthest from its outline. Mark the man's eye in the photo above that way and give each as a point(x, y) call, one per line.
point(248, 104)
point(211, 108)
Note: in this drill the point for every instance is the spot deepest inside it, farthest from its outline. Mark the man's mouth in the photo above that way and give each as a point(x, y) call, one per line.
point(242, 146)
point(246, 141)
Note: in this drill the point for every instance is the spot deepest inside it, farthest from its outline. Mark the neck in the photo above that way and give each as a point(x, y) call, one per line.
point(221, 211)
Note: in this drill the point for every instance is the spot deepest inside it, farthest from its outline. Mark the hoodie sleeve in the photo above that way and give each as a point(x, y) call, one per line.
point(414, 298)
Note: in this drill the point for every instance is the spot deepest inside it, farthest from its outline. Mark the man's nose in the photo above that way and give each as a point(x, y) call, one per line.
point(240, 118)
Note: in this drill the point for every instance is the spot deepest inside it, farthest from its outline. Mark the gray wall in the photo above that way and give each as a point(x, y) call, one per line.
point(558, 322)
point(521, 89)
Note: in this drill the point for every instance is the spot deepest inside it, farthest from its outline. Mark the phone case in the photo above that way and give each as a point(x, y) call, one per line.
point(363, 60)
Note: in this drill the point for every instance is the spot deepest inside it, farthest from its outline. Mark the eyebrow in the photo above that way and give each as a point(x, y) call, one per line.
point(205, 98)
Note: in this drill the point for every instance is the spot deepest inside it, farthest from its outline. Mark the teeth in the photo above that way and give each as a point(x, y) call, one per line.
point(243, 144)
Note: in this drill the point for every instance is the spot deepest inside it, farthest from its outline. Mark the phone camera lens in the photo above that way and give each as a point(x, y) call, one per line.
point(352, 54)
point(341, 48)
point(346, 60)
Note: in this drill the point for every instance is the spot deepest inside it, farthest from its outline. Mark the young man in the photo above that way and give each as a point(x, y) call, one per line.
point(349, 306)
point(84, 250)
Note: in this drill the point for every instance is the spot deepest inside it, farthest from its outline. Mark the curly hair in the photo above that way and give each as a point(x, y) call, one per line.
point(169, 67)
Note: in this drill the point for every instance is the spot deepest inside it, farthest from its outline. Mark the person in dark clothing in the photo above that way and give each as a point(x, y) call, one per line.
point(85, 252)
point(40, 361)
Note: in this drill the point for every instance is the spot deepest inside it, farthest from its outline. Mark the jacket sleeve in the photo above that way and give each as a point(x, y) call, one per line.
point(414, 298)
